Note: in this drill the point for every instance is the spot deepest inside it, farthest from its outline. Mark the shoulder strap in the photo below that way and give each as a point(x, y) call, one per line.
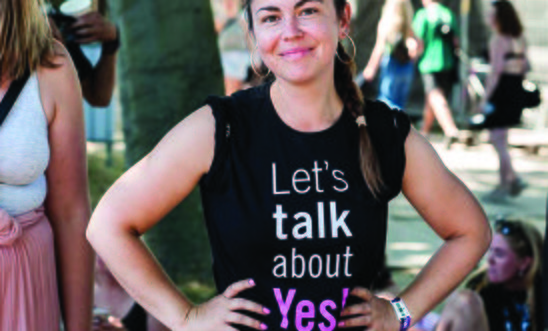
point(11, 95)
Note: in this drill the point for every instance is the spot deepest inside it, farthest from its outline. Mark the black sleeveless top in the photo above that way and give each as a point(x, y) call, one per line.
point(291, 209)
point(136, 319)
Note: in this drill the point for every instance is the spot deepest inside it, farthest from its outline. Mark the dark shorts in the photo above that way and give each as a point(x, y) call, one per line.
point(442, 80)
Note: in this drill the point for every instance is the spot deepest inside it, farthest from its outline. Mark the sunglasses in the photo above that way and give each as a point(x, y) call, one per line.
point(506, 227)
point(513, 228)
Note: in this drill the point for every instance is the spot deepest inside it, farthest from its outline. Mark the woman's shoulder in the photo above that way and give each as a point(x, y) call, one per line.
point(385, 120)
point(57, 79)
point(240, 103)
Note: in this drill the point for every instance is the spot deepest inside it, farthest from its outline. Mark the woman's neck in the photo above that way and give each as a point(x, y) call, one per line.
point(515, 285)
point(308, 108)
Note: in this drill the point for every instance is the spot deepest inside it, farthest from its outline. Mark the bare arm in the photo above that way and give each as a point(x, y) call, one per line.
point(130, 208)
point(375, 59)
point(67, 202)
point(99, 85)
point(453, 213)
point(154, 325)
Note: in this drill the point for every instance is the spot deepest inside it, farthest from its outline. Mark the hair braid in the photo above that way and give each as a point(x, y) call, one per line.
point(353, 101)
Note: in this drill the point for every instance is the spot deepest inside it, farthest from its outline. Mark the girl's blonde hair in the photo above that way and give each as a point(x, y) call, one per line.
point(26, 40)
point(396, 19)
point(525, 241)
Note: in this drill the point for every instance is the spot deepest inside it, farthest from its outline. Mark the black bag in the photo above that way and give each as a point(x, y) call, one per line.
point(11, 96)
point(530, 95)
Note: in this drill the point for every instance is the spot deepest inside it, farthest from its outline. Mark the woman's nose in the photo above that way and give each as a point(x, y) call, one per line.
point(291, 29)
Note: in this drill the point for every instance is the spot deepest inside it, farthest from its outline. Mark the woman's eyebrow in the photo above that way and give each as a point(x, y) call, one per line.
point(268, 8)
point(297, 5)
point(304, 2)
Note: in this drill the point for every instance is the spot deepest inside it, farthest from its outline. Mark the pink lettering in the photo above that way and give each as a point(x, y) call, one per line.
point(284, 306)
point(301, 314)
point(328, 316)
point(345, 295)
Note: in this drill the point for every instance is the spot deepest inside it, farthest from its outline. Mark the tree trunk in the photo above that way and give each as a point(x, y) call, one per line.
point(168, 64)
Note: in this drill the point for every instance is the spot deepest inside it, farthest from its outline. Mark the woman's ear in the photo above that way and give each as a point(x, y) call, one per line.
point(525, 264)
point(344, 25)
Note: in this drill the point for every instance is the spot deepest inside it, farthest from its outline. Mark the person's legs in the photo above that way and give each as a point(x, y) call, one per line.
point(464, 311)
point(499, 139)
point(440, 108)
point(427, 118)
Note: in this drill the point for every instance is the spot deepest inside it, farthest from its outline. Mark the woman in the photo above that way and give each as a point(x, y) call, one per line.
point(296, 221)
point(122, 312)
point(43, 181)
point(508, 295)
point(508, 57)
point(395, 51)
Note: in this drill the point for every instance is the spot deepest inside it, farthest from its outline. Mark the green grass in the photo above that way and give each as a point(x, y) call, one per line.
point(101, 176)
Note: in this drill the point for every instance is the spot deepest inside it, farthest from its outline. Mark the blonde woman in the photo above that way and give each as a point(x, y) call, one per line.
point(506, 296)
point(395, 51)
point(43, 180)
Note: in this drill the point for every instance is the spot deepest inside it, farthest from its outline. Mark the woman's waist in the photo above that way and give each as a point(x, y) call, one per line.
point(302, 305)
point(20, 199)
point(13, 227)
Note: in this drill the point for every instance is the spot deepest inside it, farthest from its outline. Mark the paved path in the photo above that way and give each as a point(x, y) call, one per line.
point(411, 242)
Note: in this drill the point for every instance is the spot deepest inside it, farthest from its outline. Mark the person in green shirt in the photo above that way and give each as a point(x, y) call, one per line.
point(435, 25)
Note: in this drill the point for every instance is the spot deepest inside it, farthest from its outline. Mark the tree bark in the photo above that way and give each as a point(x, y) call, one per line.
point(168, 64)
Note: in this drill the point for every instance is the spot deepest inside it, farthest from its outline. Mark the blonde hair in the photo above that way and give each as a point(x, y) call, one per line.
point(525, 241)
point(396, 19)
point(26, 40)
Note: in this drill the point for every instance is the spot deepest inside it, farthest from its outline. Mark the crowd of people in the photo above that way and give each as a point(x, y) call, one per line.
point(269, 150)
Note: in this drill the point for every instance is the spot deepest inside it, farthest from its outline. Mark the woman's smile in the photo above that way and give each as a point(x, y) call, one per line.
point(296, 53)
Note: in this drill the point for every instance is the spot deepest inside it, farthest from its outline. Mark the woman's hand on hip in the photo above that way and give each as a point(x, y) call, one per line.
point(220, 312)
point(374, 313)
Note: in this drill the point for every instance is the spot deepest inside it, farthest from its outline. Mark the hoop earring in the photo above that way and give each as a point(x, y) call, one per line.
point(353, 53)
point(252, 61)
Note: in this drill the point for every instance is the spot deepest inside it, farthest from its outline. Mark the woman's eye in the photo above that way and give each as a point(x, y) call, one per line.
point(269, 19)
point(308, 11)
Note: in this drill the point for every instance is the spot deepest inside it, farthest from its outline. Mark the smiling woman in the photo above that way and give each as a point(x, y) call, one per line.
point(295, 176)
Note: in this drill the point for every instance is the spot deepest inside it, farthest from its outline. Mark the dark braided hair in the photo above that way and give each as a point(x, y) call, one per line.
point(352, 99)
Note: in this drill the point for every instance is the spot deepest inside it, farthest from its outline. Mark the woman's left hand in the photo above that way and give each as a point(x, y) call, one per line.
point(374, 313)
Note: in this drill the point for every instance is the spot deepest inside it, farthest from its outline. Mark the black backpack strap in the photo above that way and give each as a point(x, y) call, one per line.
point(11, 95)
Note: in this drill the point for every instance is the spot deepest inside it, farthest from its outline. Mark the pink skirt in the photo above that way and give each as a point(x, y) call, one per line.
point(28, 283)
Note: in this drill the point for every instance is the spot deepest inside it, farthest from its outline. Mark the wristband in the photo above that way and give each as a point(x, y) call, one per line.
point(402, 313)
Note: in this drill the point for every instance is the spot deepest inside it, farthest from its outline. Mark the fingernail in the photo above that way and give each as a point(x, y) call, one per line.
point(341, 324)
point(252, 282)
point(266, 310)
point(263, 326)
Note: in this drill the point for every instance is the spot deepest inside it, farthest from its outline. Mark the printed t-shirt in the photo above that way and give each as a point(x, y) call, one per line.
point(427, 25)
point(292, 211)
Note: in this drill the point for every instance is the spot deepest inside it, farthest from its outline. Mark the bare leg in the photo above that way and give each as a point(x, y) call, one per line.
point(464, 311)
point(439, 105)
point(499, 139)
point(427, 118)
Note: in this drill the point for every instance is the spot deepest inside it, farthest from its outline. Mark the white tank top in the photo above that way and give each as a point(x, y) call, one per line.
point(24, 152)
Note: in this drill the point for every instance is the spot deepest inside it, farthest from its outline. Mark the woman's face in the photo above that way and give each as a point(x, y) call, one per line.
point(504, 264)
point(492, 19)
point(297, 39)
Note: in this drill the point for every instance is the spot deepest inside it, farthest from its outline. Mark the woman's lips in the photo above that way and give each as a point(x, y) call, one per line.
point(296, 53)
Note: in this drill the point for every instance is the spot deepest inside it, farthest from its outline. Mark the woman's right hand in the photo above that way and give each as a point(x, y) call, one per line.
point(218, 313)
